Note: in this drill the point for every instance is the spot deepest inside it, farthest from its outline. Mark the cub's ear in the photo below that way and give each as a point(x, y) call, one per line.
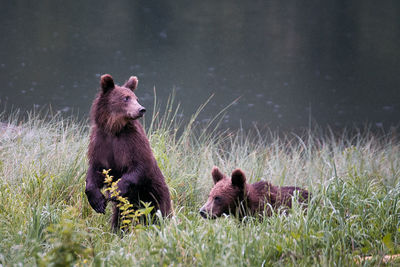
point(217, 175)
point(238, 178)
point(107, 83)
point(132, 83)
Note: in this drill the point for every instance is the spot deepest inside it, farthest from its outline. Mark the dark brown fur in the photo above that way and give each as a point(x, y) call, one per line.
point(118, 142)
point(235, 196)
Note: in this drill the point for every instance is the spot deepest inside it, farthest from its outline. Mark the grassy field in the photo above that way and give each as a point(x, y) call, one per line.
point(45, 218)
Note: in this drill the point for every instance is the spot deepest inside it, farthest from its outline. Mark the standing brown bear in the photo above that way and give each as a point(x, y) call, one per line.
point(118, 142)
point(235, 196)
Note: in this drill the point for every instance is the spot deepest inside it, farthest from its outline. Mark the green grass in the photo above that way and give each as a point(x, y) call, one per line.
point(45, 218)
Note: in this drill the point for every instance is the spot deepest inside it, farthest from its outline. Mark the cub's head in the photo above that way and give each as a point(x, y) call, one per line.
point(226, 194)
point(115, 105)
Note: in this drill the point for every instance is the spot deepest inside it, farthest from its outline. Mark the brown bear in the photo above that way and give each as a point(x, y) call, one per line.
point(118, 142)
point(235, 196)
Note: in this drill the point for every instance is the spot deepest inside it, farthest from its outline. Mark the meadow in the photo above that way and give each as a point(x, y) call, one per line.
point(354, 213)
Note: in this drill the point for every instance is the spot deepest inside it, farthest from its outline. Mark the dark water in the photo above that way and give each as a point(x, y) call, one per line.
point(336, 61)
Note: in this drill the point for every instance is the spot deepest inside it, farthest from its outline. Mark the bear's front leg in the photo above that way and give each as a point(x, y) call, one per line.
point(127, 181)
point(94, 183)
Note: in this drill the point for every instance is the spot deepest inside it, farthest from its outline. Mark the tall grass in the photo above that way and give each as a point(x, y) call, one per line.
point(45, 218)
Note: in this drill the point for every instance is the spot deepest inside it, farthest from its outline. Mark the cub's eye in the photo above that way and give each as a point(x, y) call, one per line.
point(127, 98)
point(217, 199)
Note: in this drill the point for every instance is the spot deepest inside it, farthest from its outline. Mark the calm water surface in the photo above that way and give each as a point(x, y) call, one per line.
point(336, 61)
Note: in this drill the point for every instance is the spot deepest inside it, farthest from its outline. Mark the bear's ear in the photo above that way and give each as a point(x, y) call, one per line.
point(217, 175)
point(132, 83)
point(107, 83)
point(238, 178)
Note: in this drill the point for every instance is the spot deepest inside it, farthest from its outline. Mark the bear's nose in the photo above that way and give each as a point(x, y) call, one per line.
point(142, 111)
point(203, 213)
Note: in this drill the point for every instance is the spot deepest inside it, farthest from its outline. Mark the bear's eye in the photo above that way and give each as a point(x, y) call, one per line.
point(217, 199)
point(127, 98)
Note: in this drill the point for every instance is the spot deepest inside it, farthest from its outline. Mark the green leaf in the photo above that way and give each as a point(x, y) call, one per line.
point(295, 235)
point(387, 240)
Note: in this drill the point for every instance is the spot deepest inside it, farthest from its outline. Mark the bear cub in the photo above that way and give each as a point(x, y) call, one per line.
point(235, 196)
point(118, 142)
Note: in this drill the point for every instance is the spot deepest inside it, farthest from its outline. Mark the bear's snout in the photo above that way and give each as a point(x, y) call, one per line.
point(136, 112)
point(142, 110)
point(206, 212)
point(203, 213)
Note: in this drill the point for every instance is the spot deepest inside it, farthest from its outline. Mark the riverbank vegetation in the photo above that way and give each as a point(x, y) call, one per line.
point(354, 212)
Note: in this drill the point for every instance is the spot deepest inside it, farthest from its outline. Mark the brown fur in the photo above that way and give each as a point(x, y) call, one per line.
point(235, 196)
point(118, 142)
